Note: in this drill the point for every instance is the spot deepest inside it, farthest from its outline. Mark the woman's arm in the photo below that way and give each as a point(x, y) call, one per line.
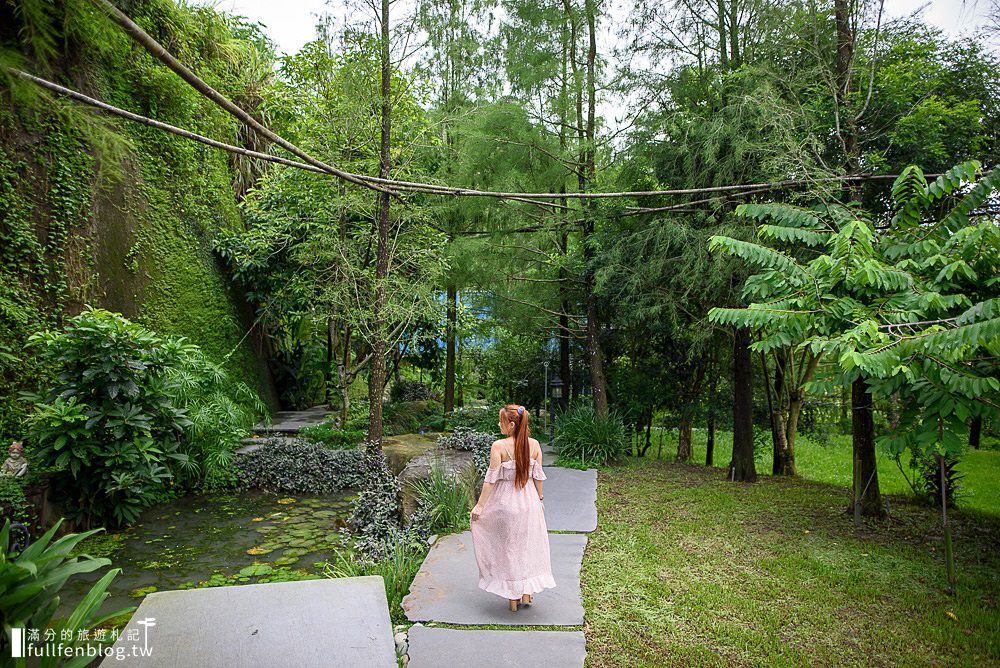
point(538, 483)
point(484, 496)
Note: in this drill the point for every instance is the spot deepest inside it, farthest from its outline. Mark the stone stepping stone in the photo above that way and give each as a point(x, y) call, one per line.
point(434, 647)
point(446, 589)
point(310, 623)
point(290, 422)
point(570, 499)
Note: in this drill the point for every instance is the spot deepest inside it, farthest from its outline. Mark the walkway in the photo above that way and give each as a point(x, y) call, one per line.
point(446, 591)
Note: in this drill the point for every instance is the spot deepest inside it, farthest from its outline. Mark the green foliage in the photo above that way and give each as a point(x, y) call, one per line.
point(333, 437)
point(375, 516)
point(928, 479)
point(479, 443)
point(13, 504)
point(474, 417)
point(409, 417)
point(397, 565)
point(911, 308)
point(31, 580)
point(112, 213)
point(110, 424)
point(588, 437)
point(289, 465)
point(409, 390)
point(221, 411)
point(446, 501)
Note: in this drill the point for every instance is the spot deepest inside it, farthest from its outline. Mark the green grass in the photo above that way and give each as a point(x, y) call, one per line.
point(831, 463)
point(687, 569)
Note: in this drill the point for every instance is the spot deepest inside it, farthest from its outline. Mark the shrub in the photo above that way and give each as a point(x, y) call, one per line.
point(446, 501)
point(409, 390)
point(222, 412)
point(333, 437)
point(30, 582)
point(13, 504)
point(928, 480)
point(110, 424)
point(130, 411)
point(475, 418)
point(476, 442)
point(410, 416)
point(294, 465)
point(375, 514)
point(590, 438)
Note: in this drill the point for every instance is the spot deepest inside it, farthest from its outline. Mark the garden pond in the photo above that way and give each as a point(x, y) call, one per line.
point(215, 539)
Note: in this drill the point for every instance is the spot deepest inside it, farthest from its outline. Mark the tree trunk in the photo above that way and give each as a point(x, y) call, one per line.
point(975, 432)
point(376, 379)
point(449, 364)
point(723, 52)
point(710, 445)
point(742, 467)
point(684, 440)
point(649, 431)
point(328, 371)
point(594, 352)
point(565, 371)
point(867, 501)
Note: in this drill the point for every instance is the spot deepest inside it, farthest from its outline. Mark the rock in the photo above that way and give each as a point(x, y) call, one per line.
point(399, 638)
point(401, 450)
point(456, 464)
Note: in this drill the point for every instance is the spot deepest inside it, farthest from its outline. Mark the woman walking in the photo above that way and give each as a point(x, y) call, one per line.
point(508, 523)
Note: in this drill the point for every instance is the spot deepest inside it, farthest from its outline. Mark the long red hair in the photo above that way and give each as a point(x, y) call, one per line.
point(522, 449)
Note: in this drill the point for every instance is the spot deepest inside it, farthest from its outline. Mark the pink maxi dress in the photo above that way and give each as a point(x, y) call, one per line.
point(510, 537)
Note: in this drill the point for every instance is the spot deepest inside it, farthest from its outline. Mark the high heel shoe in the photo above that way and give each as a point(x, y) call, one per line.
point(513, 606)
point(526, 599)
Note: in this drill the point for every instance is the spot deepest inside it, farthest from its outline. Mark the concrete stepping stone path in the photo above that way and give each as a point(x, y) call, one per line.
point(570, 499)
point(434, 647)
point(446, 590)
point(324, 623)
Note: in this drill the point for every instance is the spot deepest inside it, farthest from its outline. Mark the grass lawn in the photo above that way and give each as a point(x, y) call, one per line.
point(831, 463)
point(688, 569)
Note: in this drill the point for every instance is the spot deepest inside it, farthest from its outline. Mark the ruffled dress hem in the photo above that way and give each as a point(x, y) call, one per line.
point(512, 589)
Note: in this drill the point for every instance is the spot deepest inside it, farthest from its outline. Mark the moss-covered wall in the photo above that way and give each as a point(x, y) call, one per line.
point(117, 215)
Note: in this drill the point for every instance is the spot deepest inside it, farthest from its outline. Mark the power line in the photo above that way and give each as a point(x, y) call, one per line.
point(392, 186)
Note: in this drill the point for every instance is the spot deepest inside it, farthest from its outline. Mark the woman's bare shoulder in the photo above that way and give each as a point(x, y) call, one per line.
point(536, 448)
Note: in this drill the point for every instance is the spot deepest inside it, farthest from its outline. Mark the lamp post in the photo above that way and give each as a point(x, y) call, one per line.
point(545, 397)
point(557, 390)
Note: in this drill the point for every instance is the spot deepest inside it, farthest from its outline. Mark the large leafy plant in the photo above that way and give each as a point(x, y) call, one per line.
point(109, 423)
point(911, 305)
point(30, 582)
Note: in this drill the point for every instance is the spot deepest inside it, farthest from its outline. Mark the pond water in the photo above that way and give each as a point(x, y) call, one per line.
point(208, 539)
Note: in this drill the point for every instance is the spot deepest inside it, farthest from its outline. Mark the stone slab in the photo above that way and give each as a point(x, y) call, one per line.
point(434, 647)
point(290, 422)
point(570, 499)
point(548, 455)
point(311, 623)
point(446, 589)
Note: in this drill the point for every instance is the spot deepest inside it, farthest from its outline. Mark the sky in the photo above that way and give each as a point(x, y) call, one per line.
point(291, 23)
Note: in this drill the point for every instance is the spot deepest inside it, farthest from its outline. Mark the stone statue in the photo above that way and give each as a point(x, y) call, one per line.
point(16, 465)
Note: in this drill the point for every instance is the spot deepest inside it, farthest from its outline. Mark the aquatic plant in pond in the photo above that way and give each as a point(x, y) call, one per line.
point(219, 539)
